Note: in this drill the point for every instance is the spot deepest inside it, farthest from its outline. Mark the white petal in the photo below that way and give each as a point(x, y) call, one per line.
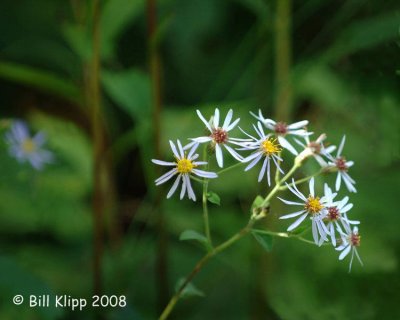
point(183, 190)
point(292, 215)
point(174, 186)
point(163, 163)
point(189, 188)
point(205, 174)
point(299, 194)
point(234, 154)
point(268, 172)
point(340, 149)
point(227, 120)
point(314, 232)
point(174, 150)
point(348, 183)
point(285, 144)
point(333, 236)
point(338, 180)
point(297, 222)
point(347, 208)
point(202, 139)
point(345, 252)
point(298, 125)
point(233, 124)
point(180, 149)
point(254, 162)
point(349, 164)
point(291, 202)
point(262, 171)
point(311, 185)
point(216, 118)
point(192, 151)
point(165, 177)
point(204, 120)
point(218, 153)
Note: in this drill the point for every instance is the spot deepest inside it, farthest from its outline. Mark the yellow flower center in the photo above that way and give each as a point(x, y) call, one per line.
point(185, 165)
point(313, 205)
point(270, 146)
point(28, 145)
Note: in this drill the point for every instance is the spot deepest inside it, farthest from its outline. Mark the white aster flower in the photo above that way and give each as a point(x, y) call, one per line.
point(315, 149)
point(314, 207)
point(337, 212)
point(219, 135)
point(266, 147)
point(342, 166)
point(281, 130)
point(27, 148)
point(184, 166)
point(351, 239)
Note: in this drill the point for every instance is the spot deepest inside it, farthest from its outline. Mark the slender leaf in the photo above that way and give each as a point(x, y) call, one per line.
point(264, 239)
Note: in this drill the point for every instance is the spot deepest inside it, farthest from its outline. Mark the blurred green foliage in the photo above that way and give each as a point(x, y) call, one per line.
point(213, 53)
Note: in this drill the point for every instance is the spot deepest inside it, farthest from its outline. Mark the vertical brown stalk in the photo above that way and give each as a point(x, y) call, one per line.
point(94, 104)
point(283, 58)
point(155, 71)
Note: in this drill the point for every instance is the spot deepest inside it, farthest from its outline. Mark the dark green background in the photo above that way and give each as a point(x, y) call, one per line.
point(344, 78)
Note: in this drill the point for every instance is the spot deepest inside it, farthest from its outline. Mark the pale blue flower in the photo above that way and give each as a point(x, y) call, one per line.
point(25, 148)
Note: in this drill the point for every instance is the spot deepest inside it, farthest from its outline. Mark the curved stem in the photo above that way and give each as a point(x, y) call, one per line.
point(168, 309)
point(231, 167)
point(279, 183)
point(297, 182)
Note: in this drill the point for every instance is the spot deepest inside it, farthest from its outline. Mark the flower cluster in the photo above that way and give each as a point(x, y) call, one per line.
point(327, 212)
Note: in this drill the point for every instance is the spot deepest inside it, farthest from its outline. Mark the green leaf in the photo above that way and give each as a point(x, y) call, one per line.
point(116, 16)
point(42, 80)
point(264, 239)
point(300, 230)
point(213, 198)
point(195, 236)
point(130, 90)
point(190, 289)
point(257, 203)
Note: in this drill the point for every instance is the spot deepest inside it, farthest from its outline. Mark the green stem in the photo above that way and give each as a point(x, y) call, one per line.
point(277, 172)
point(229, 168)
point(205, 203)
point(168, 309)
point(297, 182)
point(279, 183)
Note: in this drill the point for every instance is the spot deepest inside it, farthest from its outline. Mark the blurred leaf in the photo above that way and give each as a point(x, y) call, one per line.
point(79, 40)
point(263, 238)
point(14, 280)
point(130, 90)
point(213, 198)
point(299, 230)
point(42, 80)
point(190, 289)
point(195, 236)
point(365, 34)
point(116, 16)
point(321, 84)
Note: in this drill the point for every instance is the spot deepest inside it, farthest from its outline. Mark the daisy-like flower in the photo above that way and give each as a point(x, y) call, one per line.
point(313, 207)
point(337, 212)
point(219, 135)
point(184, 166)
point(342, 166)
point(351, 239)
point(315, 149)
point(266, 147)
point(281, 130)
point(25, 148)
